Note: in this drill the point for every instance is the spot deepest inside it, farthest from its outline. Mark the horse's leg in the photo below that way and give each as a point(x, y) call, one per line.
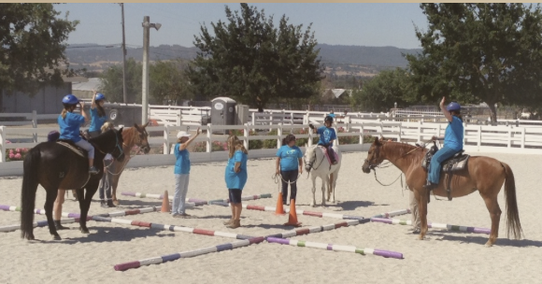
point(495, 213)
point(324, 185)
point(330, 186)
point(421, 197)
point(49, 202)
point(335, 177)
point(313, 177)
point(84, 204)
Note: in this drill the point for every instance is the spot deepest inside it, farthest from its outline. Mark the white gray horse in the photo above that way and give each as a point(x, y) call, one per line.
point(317, 165)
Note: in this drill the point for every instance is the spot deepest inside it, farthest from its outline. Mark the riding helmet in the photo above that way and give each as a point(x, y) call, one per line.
point(328, 118)
point(99, 96)
point(70, 100)
point(453, 106)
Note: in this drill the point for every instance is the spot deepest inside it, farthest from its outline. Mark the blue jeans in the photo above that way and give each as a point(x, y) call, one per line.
point(181, 188)
point(105, 183)
point(87, 146)
point(436, 163)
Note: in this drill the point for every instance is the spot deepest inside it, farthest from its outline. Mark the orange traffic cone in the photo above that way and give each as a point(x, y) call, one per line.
point(165, 203)
point(292, 219)
point(280, 208)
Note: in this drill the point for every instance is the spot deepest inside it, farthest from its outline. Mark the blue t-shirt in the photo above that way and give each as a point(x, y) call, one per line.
point(236, 180)
point(69, 126)
point(182, 164)
point(453, 136)
point(326, 135)
point(289, 157)
point(96, 121)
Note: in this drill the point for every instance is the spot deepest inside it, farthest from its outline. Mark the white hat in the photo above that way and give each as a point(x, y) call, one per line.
point(182, 134)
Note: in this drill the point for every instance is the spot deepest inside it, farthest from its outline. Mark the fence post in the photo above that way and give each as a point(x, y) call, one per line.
point(246, 134)
point(522, 137)
point(166, 140)
point(309, 143)
point(254, 118)
point(509, 137)
point(35, 125)
point(279, 133)
point(361, 134)
point(479, 142)
point(2, 143)
point(209, 136)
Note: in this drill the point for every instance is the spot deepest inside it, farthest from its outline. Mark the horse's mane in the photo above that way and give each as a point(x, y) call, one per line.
point(403, 150)
point(104, 136)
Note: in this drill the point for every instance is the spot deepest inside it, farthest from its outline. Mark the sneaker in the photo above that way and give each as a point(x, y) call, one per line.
point(416, 231)
point(103, 204)
point(334, 163)
point(92, 170)
point(184, 215)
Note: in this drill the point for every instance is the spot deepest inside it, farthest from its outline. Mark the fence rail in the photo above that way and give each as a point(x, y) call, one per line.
point(497, 138)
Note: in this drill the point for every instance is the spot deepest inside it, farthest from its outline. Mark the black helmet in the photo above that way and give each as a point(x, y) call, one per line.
point(328, 118)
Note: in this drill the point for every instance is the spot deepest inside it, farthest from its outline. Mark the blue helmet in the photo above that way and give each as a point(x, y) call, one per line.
point(100, 96)
point(453, 106)
point(70, 100)
point(328, 118)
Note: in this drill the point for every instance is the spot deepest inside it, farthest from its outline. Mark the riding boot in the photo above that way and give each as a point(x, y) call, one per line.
point(110, 203)
point(59, 226)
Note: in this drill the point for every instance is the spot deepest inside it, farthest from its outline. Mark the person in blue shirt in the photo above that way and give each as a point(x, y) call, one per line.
point(332, 114)
point(70, 124)
point(182, 173)
point(327, 136)
point(453, 142)
point(288, 162)
point(236, 177)
point(97, 114)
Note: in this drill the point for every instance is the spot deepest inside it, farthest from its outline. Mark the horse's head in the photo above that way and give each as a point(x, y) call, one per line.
point(141, 137)
point(309, 158)
point(374, 157)
point(110, 142)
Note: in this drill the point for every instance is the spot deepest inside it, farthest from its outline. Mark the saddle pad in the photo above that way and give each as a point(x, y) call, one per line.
point(69, 146)
point(324, 150)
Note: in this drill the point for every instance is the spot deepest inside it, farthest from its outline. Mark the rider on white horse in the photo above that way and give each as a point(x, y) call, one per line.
point(327, 136)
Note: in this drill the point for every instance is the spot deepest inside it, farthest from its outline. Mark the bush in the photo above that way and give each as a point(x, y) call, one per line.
point(15, 154)
point(270, 143)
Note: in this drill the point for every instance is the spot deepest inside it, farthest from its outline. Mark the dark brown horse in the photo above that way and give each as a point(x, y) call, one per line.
point(55, 166)
point(133, 136)
point(485, 174)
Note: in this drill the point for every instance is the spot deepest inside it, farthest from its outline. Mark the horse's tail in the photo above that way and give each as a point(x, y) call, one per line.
point(28, 192)
point(512, 223)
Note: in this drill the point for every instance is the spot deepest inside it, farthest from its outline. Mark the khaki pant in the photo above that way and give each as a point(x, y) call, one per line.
point(416, 223)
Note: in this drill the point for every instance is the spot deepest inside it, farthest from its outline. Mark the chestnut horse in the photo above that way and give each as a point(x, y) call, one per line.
point(55, 166)
point(485, 174)
point(132, 136)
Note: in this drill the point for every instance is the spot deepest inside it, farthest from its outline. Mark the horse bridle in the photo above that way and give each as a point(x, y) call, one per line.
point(310, 163)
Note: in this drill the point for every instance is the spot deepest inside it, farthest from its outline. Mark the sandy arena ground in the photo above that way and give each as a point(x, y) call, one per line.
point(444, 257)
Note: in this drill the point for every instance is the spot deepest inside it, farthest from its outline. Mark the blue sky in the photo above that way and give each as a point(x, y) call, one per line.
point(365, 24)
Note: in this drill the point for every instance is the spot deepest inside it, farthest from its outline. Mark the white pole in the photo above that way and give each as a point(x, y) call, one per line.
point(145, 78)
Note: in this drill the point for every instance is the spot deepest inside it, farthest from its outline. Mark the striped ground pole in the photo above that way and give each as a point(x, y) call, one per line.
point(186, 254)
point(318, 214)
point(392, 213)
point(246, 240)
point(173, 228)
point(363, 251)
point(72, 217)
point(195, 201)
point(447, 227)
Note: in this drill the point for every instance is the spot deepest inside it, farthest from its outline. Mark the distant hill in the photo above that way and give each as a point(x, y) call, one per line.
point(339, 59)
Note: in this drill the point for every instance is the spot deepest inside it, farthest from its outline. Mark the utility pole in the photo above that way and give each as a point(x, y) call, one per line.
point(124, 96)
point(145, 78)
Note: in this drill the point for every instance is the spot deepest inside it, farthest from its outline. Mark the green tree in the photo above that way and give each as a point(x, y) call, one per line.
point(383, 91)
point(248, 57)
point(32, 44)
point(479, 52)
point(168, 82)
point(112, 82)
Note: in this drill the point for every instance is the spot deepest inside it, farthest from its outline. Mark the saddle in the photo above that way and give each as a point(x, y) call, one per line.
point(70, 145)
point(453, 164)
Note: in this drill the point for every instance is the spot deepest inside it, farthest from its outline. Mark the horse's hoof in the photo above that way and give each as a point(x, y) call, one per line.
point(30, 237)
point(84, 230)
point(489, 244)
point(57, 237)
point(116, 202)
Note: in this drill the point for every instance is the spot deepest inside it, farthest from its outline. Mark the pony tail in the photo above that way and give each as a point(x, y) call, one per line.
point(63, 113)
point(101, 111)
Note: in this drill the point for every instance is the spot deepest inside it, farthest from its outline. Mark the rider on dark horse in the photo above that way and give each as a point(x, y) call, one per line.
point(70, 123)
point(453, 142)
point(327, 136)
